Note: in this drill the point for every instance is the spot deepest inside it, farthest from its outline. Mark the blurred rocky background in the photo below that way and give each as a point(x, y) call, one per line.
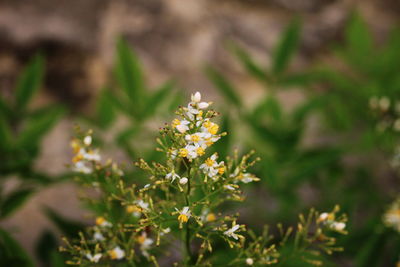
point(174, 38)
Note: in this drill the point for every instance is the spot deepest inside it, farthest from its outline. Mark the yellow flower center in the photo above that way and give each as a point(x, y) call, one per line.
point(133, 208)
point(200, 114)
point(200, 151)
point(141, 239)
point(75, 145)
point(113, 254)
point(182, 218)
point(183, 152)
point(213, 129)
point(100, 220)
point(77, 158)
point(195, 138)
point(211, 217)
point(210, 162)
point(207, 124)
point(209, 142)
point(175, 123)
point(221, 170)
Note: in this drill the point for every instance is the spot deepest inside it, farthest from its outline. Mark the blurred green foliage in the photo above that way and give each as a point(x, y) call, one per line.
point(344, 165)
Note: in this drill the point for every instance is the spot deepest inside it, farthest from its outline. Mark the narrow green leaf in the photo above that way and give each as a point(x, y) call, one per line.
point(6, 138)
point(157, 99)
point(29, 82)
point(223, 86)
point(13, 201)
point(249, 64)
point(46, 244)
point(129, 74)
point(104, 110)
point(358, 40)
point(38, 126)
point(11, 253)
point(286, 47)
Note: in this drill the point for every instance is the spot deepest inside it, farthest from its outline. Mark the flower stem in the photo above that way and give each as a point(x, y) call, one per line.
point(188, 252)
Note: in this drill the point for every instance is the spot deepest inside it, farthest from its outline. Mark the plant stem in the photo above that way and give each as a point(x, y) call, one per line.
point(188, 252)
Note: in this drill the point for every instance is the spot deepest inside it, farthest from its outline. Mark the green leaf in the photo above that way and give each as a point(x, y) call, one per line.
point(104, 110)
point(37, 126)
point(129, 74)
point(269, 107)
point(156, 100)
point(13, 201)
point(286, 47)
point(248, 63)
point(358, 40)
point(6, 138)
point(29, 82)
point(46, 244)
point(223, 86)
point(68, 227)
point(11, 253)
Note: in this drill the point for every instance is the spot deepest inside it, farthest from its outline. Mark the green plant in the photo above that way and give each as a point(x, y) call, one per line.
point(185, 204)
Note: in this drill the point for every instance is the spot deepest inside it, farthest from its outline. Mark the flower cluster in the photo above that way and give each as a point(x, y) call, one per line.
point(84, 158)
point(182, 202)
point(387, 113)
point(391, 218)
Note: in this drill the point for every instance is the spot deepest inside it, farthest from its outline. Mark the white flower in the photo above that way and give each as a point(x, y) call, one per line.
point(145, 243)
point(91, 155)
point(117, 253)
point(203, 105)
point(196, 97)
point(98, 236)
point(249, 261)
point(323, 216)
point(338, 226)
point(142, 204)
point(172, 175)
point(180, 125)
point(193, 151)
point(211, 167)
point(87, 140)
point(165, 231)
point(93, 258)
point(100, 221)
point(146, 186)
point(184, 214)
point(183, 180)
point(81, 167)
point(248, 178)
point(384, 103)
point(231, 232)
point(197, 139)
point(229, 187)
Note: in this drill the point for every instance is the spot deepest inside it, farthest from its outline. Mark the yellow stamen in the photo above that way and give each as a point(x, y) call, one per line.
point(183, 152)
point(77, 158)
point(113, 254)
point(133, 208)
point(100, 220)
point(182, 218)
point(200, 151)
point(141, 239)
point(211, 217)
point(221, 170)
point(213, 129)
point(207, 124)
point(175, 123)
point(75, 145)
point(210, 162)
point(195, 138)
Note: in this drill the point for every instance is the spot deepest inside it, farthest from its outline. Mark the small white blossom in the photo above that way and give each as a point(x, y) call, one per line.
point(183, 180)
point(93, 258)
point(172, 175)
point(338, 226)
point(87, 140)
point(98, 236)
point(249, 261)
point(81, 167)
point(117, 253)
point(231, 232)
